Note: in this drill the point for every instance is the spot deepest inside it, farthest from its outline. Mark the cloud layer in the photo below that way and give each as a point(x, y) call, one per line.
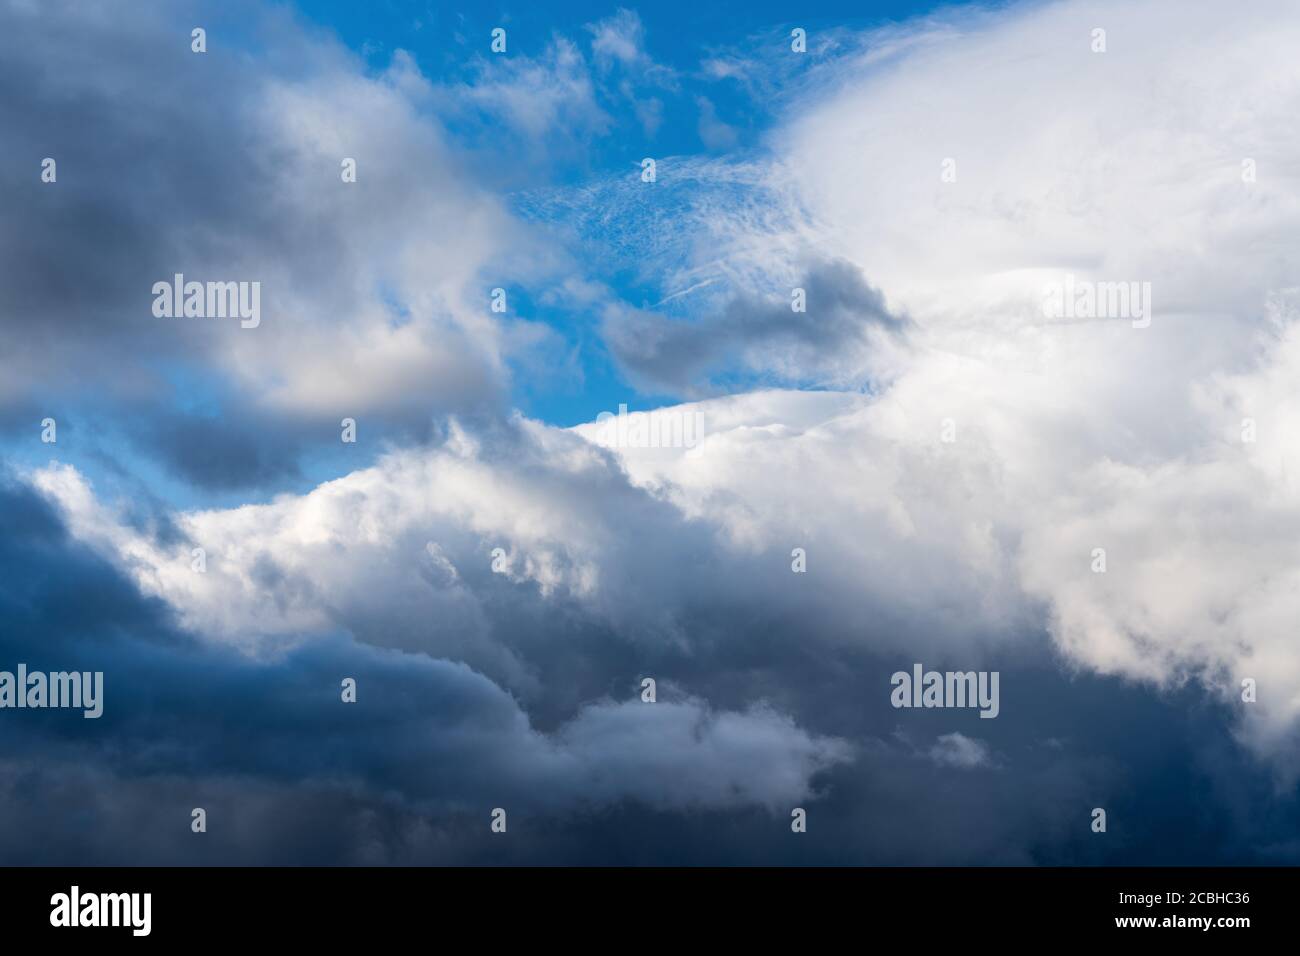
point(949, 460)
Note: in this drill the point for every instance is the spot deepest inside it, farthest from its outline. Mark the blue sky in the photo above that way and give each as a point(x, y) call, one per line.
point(449, 45)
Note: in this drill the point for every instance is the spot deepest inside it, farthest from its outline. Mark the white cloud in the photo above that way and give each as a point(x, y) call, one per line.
point(1123, 165)
point(958, 750)
point(680, 754)
point(620, 38)
point(542, 98)
point(1112, 165)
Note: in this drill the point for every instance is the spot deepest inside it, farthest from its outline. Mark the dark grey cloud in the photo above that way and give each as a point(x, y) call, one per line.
point(409, 774)
point(223, 453)
point(761, 337)
point(184, 719)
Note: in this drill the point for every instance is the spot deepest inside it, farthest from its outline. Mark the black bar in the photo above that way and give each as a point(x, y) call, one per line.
point(332, 906)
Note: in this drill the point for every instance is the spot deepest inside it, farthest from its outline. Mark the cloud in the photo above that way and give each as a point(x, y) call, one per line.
point(353, 552)
point(1067, 437)
point(714, 133)
point(229, 452)
point(434, 733)
point(373, 293)
point(958, 750)
point(842, 332)
point(549, 100)
point(626, 71)
point(619, 39)
point(611, 574)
